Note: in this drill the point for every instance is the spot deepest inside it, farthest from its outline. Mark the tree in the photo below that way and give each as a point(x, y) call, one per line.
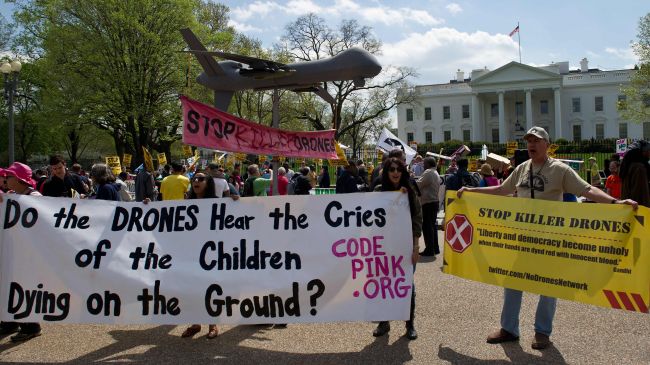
point(636, 107)
point(356, 109)
point(120, 61)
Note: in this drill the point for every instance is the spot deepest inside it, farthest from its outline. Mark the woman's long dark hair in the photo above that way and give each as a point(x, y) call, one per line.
point(404, 181)
point(210, 189)
point(632, 156)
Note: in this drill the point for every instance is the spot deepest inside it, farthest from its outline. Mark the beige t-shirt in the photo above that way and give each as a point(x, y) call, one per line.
point(550, 180)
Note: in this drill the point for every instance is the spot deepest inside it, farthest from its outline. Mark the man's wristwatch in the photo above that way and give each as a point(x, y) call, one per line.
point(614, 201)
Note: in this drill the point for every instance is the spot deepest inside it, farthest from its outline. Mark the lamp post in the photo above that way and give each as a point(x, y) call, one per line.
point(11, 71)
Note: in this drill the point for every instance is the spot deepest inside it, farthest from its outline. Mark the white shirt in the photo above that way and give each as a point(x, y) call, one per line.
point(220, 186)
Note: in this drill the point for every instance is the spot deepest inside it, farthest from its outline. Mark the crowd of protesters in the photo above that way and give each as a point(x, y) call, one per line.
point(627, 183)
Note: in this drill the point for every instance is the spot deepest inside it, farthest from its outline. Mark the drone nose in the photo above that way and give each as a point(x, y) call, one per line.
point(372, 65)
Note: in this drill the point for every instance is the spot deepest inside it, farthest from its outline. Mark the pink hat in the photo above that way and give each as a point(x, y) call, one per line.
point(2, 172)
point(21, 172)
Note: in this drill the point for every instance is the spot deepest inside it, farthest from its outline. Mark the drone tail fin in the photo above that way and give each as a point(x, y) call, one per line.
point(210, 66)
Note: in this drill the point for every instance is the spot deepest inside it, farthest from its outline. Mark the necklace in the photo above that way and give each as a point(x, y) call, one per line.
point(541, 168)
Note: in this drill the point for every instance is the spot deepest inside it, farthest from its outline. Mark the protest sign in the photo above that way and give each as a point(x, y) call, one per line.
point(510, 148)
point(126, 159)
point(387, 141)
point(209, 127)
point(148, 160)
point(113, 163)
point(595, 254)
point(621, 146)
point(256, 260)
point(162, 159)
point(187, 151)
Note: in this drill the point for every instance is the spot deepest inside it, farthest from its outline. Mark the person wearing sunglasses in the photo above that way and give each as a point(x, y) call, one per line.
point(395, 177)
point(202, 186)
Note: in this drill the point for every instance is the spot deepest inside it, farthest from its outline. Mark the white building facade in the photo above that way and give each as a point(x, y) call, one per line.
point(501, 105)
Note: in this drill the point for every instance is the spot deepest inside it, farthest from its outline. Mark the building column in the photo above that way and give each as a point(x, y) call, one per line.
point(476, 119)
point(502, 118)
point(558, 113)
point(529, 109)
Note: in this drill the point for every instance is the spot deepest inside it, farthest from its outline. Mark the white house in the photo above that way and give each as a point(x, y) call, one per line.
point(500, 105)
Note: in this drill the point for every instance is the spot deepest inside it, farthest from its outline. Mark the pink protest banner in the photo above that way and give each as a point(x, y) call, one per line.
point(205, 126)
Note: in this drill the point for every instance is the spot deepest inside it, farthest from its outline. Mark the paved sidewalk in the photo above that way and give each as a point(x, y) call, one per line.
point(453, 318)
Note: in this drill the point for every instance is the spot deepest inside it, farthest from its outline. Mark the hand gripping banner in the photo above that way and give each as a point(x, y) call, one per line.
point(205, 126)
point(591, 253)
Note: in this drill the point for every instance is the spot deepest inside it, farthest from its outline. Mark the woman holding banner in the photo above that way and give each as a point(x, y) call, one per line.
point(203, 187)
point(395, 177)
point(19, 180)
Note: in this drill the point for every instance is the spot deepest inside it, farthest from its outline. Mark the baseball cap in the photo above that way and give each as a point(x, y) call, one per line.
point(538, 132)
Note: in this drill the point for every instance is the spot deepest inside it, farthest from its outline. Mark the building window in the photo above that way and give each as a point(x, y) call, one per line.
point(600, 131)
point(543, 106)
point(447, 135)
point(576, 105)
point(577, 133)
point(466, 111)
point(646, 130)
point(446, 112)
point(599, 103)
point(466, 135)
point(494, 110)
point(495, 135)
point(427, 113)
point(519, 108)
point(622, 130)
point(409, 115)
point(428, 137)
point(622, 102)
point(409, 137)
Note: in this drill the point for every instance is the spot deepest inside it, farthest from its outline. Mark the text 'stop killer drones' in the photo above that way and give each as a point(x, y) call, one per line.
point(240, 72)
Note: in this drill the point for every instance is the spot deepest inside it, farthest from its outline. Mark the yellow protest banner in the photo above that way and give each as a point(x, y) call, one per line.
point(594, 254)
point(187, 151)
point(551, 150)
point(113, 162)
point(148, 160)
point(126, 159)
point(261, 159)
point(162, 159)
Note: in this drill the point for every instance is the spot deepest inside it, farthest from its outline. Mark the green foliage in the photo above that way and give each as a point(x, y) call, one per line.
point(637, 104)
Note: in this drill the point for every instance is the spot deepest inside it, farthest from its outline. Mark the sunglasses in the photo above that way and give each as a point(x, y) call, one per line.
point(394, 169)
point(199, 178)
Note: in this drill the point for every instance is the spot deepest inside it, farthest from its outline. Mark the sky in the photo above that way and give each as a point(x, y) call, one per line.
point(437, 37)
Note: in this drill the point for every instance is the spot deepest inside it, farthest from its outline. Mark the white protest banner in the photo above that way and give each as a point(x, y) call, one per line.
point(281, 259)
point(387, 141)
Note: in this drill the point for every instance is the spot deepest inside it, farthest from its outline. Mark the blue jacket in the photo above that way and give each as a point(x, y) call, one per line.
point(108, 191)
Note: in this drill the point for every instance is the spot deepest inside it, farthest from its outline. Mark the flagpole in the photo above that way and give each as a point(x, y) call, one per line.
point(519, 40)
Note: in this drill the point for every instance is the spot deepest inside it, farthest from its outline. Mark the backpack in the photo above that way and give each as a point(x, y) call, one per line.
point(248, 186)
point(472, 179)
point(291, 187)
